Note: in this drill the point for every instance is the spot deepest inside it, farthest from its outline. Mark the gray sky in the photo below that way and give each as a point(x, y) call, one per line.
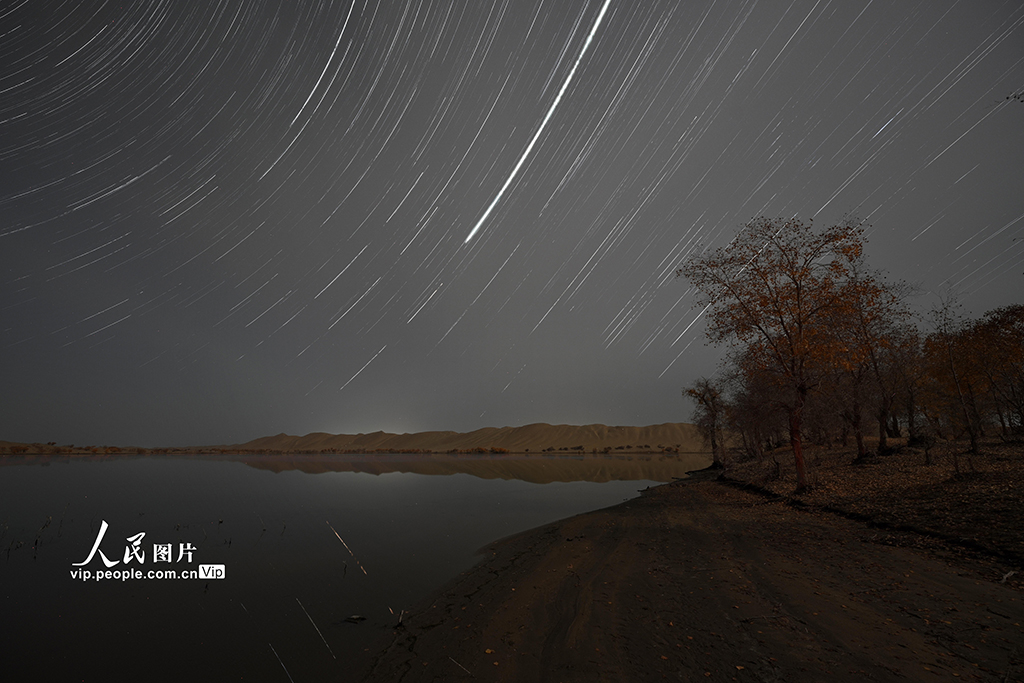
point(220, 220)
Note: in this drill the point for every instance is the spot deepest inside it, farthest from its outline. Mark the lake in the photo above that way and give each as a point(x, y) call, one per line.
point(259, 568)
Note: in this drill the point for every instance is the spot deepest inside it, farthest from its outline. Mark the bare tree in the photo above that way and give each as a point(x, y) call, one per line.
point(709, 416)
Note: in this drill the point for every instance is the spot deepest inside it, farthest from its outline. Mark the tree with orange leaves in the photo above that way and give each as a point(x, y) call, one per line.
point(975, 372)
point(777, 290)
point(871, 322)
point(1000, 335)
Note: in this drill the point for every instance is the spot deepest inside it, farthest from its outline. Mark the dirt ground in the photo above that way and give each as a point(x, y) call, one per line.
point(971, 504)
point(700, 580)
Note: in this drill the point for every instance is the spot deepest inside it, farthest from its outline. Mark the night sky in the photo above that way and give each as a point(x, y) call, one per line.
point(226, 219)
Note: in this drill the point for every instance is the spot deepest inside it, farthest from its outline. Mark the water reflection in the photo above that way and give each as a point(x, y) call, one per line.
point(533, 469)
point(292, 586)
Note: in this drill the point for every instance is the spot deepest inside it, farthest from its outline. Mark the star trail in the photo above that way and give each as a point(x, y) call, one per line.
point(226, 219)
point(540, 128)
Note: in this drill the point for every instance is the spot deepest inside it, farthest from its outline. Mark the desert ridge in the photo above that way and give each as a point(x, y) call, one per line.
point(539, 438)
point(678, 437)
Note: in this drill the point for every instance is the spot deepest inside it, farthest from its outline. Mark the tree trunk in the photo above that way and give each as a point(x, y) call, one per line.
point(975, 414)
point(716, 452)
point(795, 440)
point(911, 419)
point(971, 431)
point(858, 430)
point(883, 427)
point(746, 443)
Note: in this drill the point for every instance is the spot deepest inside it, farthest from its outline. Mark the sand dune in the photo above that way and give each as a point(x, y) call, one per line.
point(675, 436)
point(671, 437)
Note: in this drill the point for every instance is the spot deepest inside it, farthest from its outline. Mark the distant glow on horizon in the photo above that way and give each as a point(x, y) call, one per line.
point(543, 123)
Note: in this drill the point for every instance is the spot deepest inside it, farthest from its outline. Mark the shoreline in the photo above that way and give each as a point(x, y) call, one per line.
point(697, 580)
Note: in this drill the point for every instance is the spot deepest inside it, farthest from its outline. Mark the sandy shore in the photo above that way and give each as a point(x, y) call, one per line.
point(700, 581)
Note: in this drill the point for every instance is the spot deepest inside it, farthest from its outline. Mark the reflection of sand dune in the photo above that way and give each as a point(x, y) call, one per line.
point(530, 438)
point(533, 469)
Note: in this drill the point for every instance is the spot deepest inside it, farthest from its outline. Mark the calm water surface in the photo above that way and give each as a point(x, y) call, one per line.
point(276, 524)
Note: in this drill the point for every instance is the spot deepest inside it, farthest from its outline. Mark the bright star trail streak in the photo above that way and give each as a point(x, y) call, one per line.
point(540, 129)
point(360, 370)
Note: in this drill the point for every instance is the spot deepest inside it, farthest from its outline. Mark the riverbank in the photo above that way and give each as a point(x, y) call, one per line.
point(703, 580)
